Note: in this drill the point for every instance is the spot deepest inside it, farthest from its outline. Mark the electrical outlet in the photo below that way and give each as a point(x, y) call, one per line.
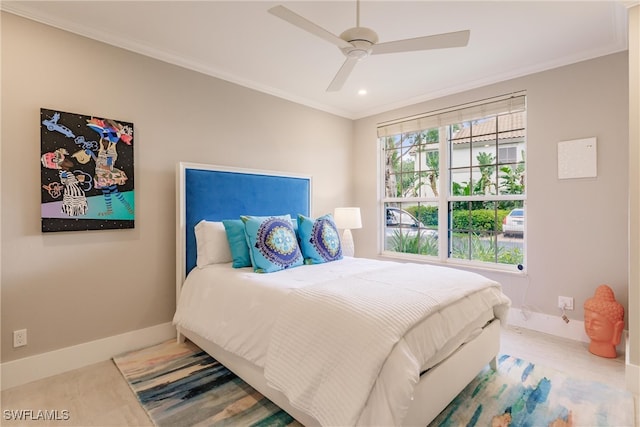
point(20, 338)
point(565, 303)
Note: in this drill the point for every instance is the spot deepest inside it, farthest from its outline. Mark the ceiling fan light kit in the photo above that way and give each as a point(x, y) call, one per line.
point(359, 42)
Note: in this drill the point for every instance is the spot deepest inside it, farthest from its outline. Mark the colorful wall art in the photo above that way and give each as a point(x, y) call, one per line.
point(87, 172)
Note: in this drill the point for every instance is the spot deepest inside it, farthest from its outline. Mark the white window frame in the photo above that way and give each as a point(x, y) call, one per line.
point(445, 196)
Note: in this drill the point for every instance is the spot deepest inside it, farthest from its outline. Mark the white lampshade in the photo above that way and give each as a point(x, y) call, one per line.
point(347, 218)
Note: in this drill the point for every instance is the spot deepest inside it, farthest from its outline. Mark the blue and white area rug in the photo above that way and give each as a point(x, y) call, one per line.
point(520, 394)
point(180, 385)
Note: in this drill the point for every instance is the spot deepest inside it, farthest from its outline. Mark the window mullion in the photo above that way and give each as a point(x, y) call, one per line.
point(444, 191)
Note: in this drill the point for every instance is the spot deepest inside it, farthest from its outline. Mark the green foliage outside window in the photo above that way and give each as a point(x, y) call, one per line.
point(476, 248)
point(428, 215)
point(477, 220)
point(417, 244)
point(465, 247)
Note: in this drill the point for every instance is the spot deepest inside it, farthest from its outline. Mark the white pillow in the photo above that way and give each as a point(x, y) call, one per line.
point(212, 244)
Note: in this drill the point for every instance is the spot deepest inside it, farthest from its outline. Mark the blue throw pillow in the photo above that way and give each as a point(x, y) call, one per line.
point(237, 242)
point(272, 243)
point(319, 239)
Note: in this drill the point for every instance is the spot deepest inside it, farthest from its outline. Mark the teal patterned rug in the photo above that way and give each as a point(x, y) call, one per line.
point(522, 394)
point(180, 385)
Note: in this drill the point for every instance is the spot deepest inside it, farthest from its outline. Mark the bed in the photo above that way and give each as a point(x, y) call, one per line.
point(299, 337)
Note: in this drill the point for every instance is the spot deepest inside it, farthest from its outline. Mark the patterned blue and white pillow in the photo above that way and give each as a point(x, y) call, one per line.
point(272, 243)
point(319, 239)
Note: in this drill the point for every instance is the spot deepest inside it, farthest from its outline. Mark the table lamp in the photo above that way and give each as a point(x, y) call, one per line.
point(347, 219)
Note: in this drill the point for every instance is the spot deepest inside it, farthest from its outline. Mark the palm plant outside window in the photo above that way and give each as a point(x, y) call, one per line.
point(454, 184)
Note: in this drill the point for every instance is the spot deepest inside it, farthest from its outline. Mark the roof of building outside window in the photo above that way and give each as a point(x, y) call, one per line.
point(509, 126)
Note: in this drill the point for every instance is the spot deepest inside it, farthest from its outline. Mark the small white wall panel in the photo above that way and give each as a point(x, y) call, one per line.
point(578, 158)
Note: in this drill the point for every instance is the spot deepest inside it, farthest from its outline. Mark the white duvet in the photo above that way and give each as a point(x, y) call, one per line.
point(345, 341)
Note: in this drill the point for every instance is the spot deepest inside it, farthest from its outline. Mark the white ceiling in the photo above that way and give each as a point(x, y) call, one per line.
point(240, 42)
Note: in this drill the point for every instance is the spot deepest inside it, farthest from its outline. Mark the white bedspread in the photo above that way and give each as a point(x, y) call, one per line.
point(338, 334)
point(253, 315)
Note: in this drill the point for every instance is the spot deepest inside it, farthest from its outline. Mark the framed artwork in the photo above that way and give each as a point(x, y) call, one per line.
point(86, 172)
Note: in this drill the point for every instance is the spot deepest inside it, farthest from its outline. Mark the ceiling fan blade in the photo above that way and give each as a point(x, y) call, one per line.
point(437, 41)
point(303, 23)
point(342, 74)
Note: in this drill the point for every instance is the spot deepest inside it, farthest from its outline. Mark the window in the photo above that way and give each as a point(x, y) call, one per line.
point(508, 154)
point(453, 184)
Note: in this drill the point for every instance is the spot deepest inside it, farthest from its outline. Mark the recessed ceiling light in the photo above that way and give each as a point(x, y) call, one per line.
point(362, 92)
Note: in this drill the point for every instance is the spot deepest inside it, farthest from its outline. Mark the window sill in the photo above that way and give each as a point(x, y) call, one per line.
point(454, 263)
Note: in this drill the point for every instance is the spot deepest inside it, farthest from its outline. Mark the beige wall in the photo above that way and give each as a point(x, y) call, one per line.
point(71, 288)
point(577, 229)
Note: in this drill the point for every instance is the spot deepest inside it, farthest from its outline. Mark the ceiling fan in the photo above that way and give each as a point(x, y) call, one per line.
point(359, 42)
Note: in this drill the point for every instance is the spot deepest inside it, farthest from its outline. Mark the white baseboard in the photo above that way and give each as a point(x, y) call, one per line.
point(553, 325)
point(25, 370)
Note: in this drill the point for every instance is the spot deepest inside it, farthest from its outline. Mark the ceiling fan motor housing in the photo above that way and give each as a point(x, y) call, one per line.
point(361, 40)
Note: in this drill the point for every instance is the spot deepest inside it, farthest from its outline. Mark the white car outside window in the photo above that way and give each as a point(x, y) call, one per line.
point(513, 224)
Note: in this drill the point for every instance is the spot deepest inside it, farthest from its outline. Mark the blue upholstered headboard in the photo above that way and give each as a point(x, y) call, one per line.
point(215, 193)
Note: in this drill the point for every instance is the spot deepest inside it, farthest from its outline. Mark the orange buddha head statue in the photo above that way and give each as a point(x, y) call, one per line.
point(603, 321)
